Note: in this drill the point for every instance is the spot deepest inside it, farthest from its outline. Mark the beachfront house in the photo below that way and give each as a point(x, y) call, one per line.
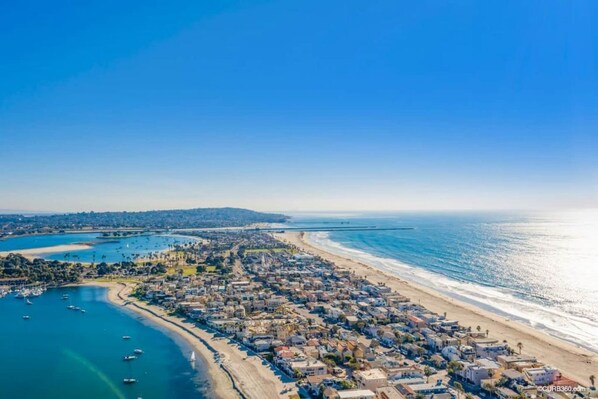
point(542, 375)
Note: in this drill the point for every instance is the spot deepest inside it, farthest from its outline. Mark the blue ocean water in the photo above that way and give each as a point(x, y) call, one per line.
point(539, 268)
point(60, 353)
point(105, 250)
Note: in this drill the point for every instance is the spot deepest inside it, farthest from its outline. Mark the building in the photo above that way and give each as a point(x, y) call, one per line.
point(306, 367)
point(371, 379)
point(542, 375)
point(389, 393)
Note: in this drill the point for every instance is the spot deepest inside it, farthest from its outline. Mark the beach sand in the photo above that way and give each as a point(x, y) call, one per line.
point(37, 252)
point(241, 375)
point(574, 362)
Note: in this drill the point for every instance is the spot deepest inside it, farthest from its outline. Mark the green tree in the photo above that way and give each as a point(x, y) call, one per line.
point(428, 372)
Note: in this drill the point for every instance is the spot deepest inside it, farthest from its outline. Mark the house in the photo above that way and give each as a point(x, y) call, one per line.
point(306, 367)
point(542, 375)
point(388, 393)
point(371, 379)
point(506, 393)
point(481, 370)
point(356, 394)
point(491, 350)
point(514, 376)
point(315, 381)
point(515, 361)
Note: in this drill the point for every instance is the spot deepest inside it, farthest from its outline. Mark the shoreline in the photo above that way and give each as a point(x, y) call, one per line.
point(33, 253)
point(574, 362)
point(238, 373)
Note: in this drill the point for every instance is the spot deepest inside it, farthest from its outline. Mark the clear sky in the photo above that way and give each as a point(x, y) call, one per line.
point(298, 105)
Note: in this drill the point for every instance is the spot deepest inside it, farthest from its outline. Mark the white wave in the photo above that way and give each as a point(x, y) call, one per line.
point(577, 330)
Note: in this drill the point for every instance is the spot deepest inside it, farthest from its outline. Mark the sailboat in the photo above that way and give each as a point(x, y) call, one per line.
point(130, 379)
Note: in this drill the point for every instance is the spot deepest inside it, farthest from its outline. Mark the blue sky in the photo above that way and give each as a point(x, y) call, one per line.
point(298, 105)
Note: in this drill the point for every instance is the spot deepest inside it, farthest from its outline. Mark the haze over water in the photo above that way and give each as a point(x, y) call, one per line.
point(539, 268)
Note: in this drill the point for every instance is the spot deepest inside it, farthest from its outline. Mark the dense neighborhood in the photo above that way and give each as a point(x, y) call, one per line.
point(338, 335)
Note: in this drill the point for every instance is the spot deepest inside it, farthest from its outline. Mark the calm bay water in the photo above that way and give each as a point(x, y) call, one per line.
point(538, 268)
point(105, 250)
point(66, 354)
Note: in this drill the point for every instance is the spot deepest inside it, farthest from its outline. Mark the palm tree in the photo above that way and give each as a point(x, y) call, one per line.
point(478, 328)
point(593, 380)
point(487, 332)
point(520, 347)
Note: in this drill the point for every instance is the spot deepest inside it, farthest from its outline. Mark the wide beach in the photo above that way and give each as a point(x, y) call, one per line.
point(236, 374)
point(33, 253)
point(574, 362)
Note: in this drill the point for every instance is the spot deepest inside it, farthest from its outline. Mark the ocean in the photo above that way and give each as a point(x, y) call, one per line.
point(105, 250)
point(66, 354)
point(540, 268)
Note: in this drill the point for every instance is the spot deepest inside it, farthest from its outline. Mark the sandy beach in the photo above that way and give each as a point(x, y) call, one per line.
point(239, 375)
point(38, 252)
point(574, 362)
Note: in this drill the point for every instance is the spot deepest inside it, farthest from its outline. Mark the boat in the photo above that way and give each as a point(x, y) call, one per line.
point(65, 297)
point(129, 357)
point(138, 351)
point(83, 310)
point(28, 302)
point(22, 294)
point(129, 380)
point(126, 337)
point(26, 317)
point(192, 359)
point(71, 307)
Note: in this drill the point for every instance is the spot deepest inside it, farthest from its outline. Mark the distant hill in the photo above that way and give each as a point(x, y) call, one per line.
point(165, 219)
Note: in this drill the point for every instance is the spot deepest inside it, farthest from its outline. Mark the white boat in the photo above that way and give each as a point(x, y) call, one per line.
point(22, 294)
point(83, 310)
point(129, 357)
point(126, 337)
point(26, 317)
point(138, 351)
point(65, 297)
point(28, 302)
point(192, 359)
point(71, 307)
point(129, 380)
